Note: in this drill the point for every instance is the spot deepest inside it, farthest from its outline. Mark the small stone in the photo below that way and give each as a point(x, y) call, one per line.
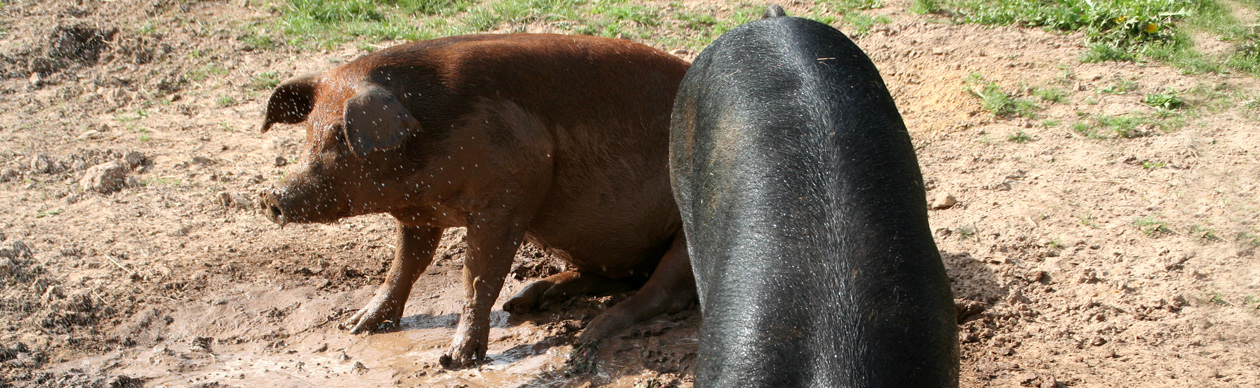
point(6, 267)
point(135, 159)
point(8, 174)
point(943, 201)
point(42, 164)
point(281, 161)
point(1048, 381)
point(680, 52)
point(232, 200)
point(89, 134)
point(104, 178)
point(182, 230)
point(15, 249)
point(1035, 275)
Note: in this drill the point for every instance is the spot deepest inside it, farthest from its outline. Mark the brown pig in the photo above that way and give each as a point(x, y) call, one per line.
point(561, 140)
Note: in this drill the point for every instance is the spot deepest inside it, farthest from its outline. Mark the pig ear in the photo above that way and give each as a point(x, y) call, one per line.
point(291, 101)
point(376, 120)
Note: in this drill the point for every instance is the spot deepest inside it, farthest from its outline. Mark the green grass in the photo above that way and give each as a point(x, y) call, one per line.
point(226, 101)
point(48, 213)
point(997, 102)
point(1019, 137)
point(328, 23)
point(265, 81)
point(855, 4)
point(1167, 100)
point(1126, 126)
point(1120, 86)
point(967, 231)
point(1050, 94)
point(926, 6)
point(1204, 233)
point(861, 23)
point(202, 73)
point(1151, 226)
point(1089, 220)
point(148, 28)
point(1126, 30)
point(325, 24)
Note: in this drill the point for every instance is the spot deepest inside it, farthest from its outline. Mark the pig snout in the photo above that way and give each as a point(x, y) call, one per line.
point(269, 204)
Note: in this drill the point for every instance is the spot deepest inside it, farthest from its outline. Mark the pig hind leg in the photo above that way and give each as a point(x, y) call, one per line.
point(671, 288)
point(563, 286)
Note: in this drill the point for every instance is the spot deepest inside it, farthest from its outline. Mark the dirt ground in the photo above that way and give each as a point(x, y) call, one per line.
point(1076, 261)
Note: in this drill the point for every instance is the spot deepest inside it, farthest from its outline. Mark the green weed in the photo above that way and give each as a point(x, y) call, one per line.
point(967, 231)
point(1124, 126)
point(1217, 298)
point(926, 6)
point(1167, 100)
point(855, 4)
point(1019, 137)
point(1204, 233)
point(265, 81)
point(48, 213)
point(994, 100)
point(1124, 30)
point(1151, 226)
point(1120, 86)
point(1089, 220)
point(148, 28)
point(204, 72)
point(1107, 51)
point(226, 101)
point(1050, 94)
point(862, 23)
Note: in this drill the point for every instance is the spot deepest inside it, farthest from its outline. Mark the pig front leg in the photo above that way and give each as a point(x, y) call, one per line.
point(491, 249)
point(415, 251)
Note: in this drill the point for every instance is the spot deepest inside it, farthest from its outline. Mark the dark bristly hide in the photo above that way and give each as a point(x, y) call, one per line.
point(805, 218)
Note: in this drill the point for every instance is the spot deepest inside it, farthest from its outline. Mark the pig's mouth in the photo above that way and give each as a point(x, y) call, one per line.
point(269, 203)
point(275, 215)
point(283, 207)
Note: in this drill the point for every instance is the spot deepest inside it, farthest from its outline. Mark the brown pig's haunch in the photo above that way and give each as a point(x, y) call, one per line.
point(561, 140)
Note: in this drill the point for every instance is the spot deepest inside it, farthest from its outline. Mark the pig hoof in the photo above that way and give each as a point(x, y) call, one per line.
point(528, 300)
point(519, 305)
point(453, 362)
point(366, 321)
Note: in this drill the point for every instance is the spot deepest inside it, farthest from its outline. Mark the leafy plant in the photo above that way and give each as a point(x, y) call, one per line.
point(1050, 94)
point(994, 100)
point(1152, 227)
point(265, 80)
point(1166, 100)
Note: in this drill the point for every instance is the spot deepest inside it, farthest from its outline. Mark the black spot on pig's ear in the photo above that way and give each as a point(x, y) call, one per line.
point(376, 120)
point(291, 102)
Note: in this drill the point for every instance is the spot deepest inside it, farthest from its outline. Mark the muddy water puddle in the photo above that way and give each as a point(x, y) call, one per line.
point(270, 335)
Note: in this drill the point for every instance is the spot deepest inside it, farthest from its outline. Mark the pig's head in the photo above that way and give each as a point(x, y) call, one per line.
point(357, 135)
